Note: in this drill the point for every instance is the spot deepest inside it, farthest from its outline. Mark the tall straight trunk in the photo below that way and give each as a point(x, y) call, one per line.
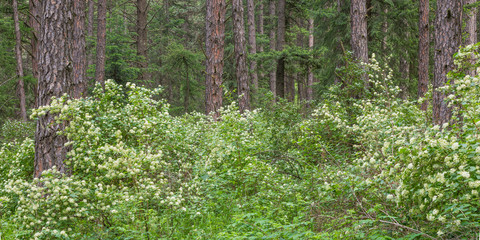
point(358, 18)
point(101, 42)
point(471, 28)
point(214, 50)
point(272, 36)
point(261, 31)
point(309, 95)
point(339, 47)
point(142, 11)
point(447, 40)
point(79, 54)
point(241, 71)
point(252, 41)
point(35, 9)
point(298, 75)
point(471, 23)
point(90, 17)
point(423, 50)
point(280, 78)
point(55, 53)
point(18, 56)
point(186, 97)
point(260, 25)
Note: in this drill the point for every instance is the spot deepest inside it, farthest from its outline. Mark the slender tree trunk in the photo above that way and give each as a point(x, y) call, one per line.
point(447, 40)
point(241, 70)
point(358, 18)
point(260, 26)
point(214, 50)
point(272, 36)
point(79, 54)
point(101, 42)
point(55, 53)
point(90, 17)
point(261, 31)
point(471, 23)
point(471, 28)
point(142, 11)
point(423, 50)
point(252, 41)
point(339, 46)
point(186, 97)
point(18, 56)
point(280, 78)
point(299, 74)
point(309, 95)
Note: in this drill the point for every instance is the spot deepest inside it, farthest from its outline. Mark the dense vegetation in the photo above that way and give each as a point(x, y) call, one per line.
point(355, 168)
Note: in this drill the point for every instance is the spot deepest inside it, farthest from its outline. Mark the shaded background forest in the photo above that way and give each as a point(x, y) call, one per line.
point(175, 51)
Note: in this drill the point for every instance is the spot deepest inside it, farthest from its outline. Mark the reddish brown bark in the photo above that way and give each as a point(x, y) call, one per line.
point(272, 36)
point(280, 78)
point(79, 54)
point(423, 50)
point(309, 95)
point(101, 42)
point(447, 41)
point(241, 71)
point(18, 56)
point(252, 41)
point(214, 50)
point(55, 61)
point(35, 9)
point(90, 19)
point(358, 18)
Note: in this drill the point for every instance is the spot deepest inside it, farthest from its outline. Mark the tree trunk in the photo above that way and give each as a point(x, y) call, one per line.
point(101, 42)
point(423, 50)
point(260, 25)
point(79, 54)
point(214, 50)
point(18, 56)
point(471, 23)
point(280, 78)
point(471, 29)
point(90, 17)
point(447, 40)
point(309, 95)
point(241, 70)
point(272, 74)
point(252, 41)
point(142, 11)
point(358, 18)
point(35, 8)
point(186, 97)
point(55, 52)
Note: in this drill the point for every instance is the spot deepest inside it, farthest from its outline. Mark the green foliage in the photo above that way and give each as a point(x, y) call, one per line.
point(14, 130)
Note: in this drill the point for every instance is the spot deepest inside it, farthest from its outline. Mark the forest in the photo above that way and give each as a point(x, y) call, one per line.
point(239, 119)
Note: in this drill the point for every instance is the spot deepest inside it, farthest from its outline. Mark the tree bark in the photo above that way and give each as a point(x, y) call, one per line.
point(260, 26)
point(280, 78)
point(18, 56)
point(142, 11)
point(471, 23)
point(79, 54)
point(252, 41)
point(35, 8)
point(309, 95)
point(101, 42)
point(471, 29)
point(214, 50)
point(358, 18)
point(423, 50)
point(272, 36)
point(447, 40)
point(90, 18)
point(55, 53)
point(241, 70)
